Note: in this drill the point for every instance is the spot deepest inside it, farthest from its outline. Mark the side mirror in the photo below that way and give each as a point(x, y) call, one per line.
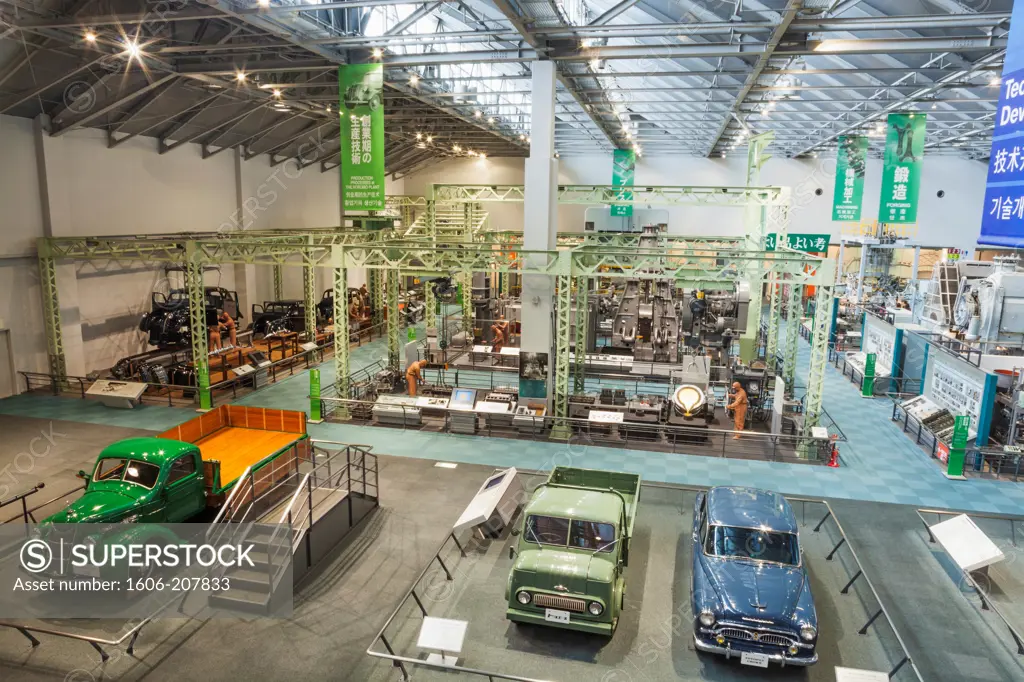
point(84, 476)
point(515, 532)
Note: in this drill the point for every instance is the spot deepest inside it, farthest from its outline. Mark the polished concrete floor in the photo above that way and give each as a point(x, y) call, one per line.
point(884, 478)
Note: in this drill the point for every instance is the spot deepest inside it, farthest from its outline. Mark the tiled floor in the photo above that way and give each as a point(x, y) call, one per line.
point(880, 463)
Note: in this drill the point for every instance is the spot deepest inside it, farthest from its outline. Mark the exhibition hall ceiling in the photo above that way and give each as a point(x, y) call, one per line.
point(679, 77)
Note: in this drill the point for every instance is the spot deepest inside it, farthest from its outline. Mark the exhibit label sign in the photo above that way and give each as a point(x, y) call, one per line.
point(623, 171)
point(314, 396)
point(958, 447)
point(851, 165)
point(867, 387)
point(1002, 217)
point(808, 243)
point(901, 174)
point(361, 107)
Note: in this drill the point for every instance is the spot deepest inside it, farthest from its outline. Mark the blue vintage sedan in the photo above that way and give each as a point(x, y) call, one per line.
point(750, 593)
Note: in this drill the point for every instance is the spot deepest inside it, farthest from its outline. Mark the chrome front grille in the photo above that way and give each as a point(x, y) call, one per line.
point(772, 638)
point(759, 636)
point(735, 633)
point(552, 601)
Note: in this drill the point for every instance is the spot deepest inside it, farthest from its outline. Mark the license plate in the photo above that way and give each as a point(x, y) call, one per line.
point(556, 616)
point(758, 660)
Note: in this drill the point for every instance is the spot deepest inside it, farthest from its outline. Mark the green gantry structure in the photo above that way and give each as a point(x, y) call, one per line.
point(440, 243)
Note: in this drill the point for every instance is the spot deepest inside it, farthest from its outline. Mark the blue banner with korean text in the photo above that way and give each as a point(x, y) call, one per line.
point(1002, 217)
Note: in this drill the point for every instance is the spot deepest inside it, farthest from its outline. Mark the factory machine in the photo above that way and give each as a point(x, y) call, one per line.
point(712, 319)
point(991, 310)
point(646, 323)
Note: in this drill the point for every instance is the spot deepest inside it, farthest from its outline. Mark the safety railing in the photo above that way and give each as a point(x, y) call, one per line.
point(987, 602)
point(979, 462)
point(842, 552)
point(666, 438)
point(27, 513)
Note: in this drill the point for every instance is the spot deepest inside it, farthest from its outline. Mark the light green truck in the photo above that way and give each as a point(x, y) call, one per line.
point(572, 551)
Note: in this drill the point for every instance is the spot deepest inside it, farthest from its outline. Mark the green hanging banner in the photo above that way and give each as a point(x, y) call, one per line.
point(623, 170)
point(901, 175)
point(808, 243)
point(851, 164)
point(361, 107)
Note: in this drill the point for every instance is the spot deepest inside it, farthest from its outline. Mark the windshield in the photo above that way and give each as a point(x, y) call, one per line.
point(753, 543)
point(129, 470)
point(551, 530)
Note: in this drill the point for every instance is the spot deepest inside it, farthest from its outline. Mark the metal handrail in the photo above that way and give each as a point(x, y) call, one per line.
point(986, 600)
point(28, 514)
point(246, 473)
point(678, 435)
point(401, 661)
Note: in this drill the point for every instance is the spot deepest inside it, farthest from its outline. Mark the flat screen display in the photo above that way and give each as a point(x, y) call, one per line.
point(494, 481)
point(464, 396)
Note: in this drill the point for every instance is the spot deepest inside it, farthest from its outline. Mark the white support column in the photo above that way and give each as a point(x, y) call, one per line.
point(839, 260)
point(540, 223)
point(914, 287)
point(245, 275)
point(58, 221)
point(863, 268)
point(916, 263)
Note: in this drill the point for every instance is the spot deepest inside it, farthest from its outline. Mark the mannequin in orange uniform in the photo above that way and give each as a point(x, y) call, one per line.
point(497, 337)
point(739, 407)
point(413, 375)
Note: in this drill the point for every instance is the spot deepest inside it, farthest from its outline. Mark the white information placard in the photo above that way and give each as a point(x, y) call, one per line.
point(966, 544)
point(857, 675)
point(605, 417)
point(122, 394)
point(500, 494)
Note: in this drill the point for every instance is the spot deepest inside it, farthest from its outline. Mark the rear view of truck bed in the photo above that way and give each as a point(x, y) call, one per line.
point(233, 437)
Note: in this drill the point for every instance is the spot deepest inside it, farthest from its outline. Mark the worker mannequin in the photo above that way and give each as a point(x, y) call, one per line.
point(414, 375)
point(506, 330)
point(364, 297)
point(497, 338)
point(224, 323)
point(739, 407)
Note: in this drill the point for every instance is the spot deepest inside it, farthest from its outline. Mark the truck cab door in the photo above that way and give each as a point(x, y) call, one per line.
point(183, 492)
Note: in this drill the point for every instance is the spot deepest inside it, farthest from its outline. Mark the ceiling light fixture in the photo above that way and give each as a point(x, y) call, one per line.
point(414, 80)
point(90, 37)
point(419, 136)
point(132, 49)
point(277, 93)
point(240, 76)
point(490, 120)
point(377, 53)
point(263, 3)
point(478, 113)
point(430, 138)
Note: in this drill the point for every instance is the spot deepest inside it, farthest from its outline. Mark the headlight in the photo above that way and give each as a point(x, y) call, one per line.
point(595, 609)
point(523, 597)
point(707, 618)
point(808, 633)
point(35, 534)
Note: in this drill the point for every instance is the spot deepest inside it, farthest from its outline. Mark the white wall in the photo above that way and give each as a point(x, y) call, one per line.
point(951, 221)
point(132, 190)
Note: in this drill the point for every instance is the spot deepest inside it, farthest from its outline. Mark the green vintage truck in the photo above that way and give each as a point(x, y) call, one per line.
point(573, 547)
point(173, 477)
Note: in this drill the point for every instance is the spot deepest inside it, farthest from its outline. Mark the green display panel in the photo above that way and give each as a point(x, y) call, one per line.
point(901, 175)
point(808, 243)
point(361, 106)
point(867, 388)
point(623, 170)
point(958, 447)
point(851, 164)
point(314, 395)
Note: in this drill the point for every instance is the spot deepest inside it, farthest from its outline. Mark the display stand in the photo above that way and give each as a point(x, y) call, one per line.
point(121, 394)
point(443, 635)
point(494, 505)
point(966, 544)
